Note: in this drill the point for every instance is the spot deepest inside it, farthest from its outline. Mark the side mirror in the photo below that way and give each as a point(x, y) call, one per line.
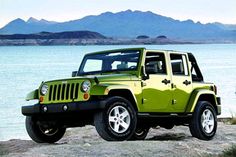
point(145, 76)
point(74, 73)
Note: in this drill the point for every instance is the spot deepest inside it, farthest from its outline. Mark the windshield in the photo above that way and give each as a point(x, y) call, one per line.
point(109, 62)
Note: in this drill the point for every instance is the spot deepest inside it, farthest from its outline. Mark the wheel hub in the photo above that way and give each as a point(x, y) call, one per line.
point(48, 131)
point(207, 121)
point(119, 119)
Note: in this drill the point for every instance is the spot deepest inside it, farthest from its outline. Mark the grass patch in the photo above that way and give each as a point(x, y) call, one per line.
point(233, 121)
point(230, 152)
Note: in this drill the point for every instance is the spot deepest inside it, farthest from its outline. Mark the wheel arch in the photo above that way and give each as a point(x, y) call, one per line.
point(115, 90)
point(201, 95)
point(125, 93)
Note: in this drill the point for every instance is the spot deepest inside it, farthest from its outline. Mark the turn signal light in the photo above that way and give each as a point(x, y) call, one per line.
point(86, 95)
point(41, 99)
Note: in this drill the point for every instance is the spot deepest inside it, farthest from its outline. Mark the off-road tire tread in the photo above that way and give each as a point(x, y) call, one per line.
point(37, 136)
point(195, 126)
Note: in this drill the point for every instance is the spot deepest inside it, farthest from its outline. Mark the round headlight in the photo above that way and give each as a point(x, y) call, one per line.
point(44, 89)
point(85, 86)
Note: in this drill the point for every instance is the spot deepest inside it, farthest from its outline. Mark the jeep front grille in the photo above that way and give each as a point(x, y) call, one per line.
point(67, 91)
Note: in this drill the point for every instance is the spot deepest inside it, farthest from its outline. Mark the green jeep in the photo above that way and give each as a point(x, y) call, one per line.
point(124, 93)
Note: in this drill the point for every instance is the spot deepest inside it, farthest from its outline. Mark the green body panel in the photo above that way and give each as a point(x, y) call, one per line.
point(127, 82)
point(150, 95)
point(32, 95)
point(195, 96)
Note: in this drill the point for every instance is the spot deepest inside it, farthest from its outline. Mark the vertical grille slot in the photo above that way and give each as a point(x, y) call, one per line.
point(76, 90)
point(63, 91)
point(72, 91)
point(50, 93)
point(54, 92)
point(67, 91)
point(59, 92)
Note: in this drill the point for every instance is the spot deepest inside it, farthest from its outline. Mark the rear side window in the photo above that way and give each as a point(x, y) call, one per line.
point(179, 64)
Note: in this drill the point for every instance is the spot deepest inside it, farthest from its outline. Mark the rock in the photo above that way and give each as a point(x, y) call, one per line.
point(160, 142)
point(161, 37)
point(87, 145)
point(142, 37)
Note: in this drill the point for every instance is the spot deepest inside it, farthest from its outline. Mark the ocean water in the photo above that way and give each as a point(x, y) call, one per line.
point(23, 68)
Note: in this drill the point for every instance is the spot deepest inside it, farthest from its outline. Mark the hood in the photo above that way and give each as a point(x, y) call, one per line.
point(100, 78)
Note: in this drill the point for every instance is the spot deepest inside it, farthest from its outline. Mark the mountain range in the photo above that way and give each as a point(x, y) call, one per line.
point(129, 24)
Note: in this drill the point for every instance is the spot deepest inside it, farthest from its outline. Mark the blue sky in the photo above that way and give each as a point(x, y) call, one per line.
point(64, 10)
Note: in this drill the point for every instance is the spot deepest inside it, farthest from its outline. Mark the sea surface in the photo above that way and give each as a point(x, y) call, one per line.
point(23, 68)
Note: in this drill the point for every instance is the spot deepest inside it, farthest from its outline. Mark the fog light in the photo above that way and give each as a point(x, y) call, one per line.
point(86, 95)
point(65, 108)
point(45, 108)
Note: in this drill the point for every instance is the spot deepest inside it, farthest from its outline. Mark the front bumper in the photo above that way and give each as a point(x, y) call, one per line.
point(60, 107)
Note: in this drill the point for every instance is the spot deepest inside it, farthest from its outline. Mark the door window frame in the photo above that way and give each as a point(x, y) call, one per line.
point(186, 61)
point(165, 62)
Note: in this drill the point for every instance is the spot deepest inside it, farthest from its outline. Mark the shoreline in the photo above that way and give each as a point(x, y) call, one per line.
point(88, 42)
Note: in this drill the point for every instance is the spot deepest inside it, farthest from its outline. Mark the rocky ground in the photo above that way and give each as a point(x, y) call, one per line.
point(160, 142)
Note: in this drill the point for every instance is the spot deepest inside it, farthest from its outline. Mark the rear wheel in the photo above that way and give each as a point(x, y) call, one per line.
point(117, 121)
point(43, 133)
point(204, 121)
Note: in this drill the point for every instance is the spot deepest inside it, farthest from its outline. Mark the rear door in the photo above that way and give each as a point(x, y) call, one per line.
point(181, 81)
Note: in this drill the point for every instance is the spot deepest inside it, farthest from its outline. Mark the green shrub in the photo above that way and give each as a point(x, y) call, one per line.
point(3, 151)
point(233, 121)
point(230, 152)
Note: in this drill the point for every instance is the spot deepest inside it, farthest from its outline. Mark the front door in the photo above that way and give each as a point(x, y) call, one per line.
point(181, 82)
point(157, 89)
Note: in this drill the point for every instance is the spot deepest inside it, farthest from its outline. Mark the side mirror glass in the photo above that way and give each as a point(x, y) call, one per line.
point(74, 73)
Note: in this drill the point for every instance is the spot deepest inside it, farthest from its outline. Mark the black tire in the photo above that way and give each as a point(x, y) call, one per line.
point(140, 133)
point(206, 132)
point(35, 131)
point(107, 128)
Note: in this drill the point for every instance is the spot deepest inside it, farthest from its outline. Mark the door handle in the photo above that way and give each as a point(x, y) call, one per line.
point(186, 82)
point(165, 81)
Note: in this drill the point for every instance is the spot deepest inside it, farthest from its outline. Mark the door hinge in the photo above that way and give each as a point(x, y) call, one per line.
point(143, 100)
point(143, 84)
point(174, 101)
point(173, 85)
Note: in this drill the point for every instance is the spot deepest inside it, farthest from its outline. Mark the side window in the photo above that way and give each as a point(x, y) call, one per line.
point(179, 64)
point(155, 63)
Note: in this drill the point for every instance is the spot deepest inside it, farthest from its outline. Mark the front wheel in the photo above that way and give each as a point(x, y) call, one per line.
point(204, 121)
point(43, 134)
point(117, 122)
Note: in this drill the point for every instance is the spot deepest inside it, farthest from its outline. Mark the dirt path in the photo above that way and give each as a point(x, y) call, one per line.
point(160, 142)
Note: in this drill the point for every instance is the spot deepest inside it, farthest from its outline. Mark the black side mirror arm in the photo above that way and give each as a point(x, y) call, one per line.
point(74, 73)
point(145, 76)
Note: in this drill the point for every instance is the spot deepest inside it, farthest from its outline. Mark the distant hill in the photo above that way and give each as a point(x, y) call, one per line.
point(79, 38)
point(61, 35)
point(226, 26)
point(127, 24)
